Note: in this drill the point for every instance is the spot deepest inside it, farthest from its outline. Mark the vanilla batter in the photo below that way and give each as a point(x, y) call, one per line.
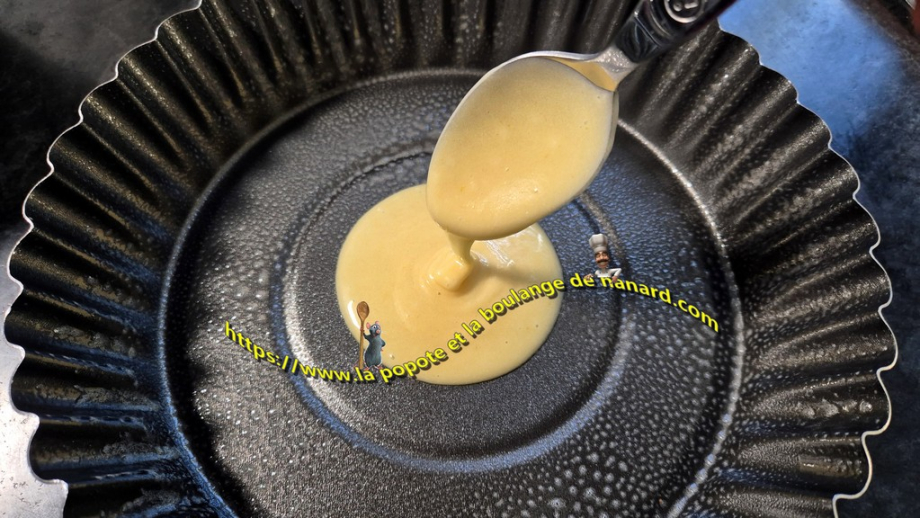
point(527, 139)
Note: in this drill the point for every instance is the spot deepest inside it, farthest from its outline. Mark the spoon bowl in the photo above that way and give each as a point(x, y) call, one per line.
point(498, 166)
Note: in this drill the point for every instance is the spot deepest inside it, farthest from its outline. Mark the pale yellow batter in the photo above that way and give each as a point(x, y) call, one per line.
point(529, 137)
point(417, 315)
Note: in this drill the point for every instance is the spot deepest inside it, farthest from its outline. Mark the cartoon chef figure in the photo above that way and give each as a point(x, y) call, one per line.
point(598, 243)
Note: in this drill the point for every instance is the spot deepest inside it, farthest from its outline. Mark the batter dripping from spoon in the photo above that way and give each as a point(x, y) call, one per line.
point(527, 139)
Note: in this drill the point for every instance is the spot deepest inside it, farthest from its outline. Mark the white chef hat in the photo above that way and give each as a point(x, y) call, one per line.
point(598, 243)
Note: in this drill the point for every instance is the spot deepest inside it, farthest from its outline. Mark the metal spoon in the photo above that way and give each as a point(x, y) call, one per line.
point(653, 27)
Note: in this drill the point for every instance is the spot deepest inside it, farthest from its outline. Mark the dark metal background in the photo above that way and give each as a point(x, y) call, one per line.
point(52, 56)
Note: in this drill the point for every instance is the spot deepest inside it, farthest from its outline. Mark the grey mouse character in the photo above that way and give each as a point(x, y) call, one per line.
point(372, 355)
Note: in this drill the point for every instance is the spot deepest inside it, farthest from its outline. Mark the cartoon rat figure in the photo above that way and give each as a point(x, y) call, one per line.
point(372, 355)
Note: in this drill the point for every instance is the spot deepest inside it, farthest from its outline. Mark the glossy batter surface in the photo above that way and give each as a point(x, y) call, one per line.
point(529, 137)
point(417, 314)
point(526, 139)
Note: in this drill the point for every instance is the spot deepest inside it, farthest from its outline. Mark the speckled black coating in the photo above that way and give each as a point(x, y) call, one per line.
point(720, 187)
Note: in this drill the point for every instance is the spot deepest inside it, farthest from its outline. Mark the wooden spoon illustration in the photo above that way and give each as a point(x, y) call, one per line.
point(363, 311)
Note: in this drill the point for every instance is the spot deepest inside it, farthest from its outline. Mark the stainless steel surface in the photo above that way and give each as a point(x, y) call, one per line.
point(612, 60)
point(22, 494)
point(652, 28)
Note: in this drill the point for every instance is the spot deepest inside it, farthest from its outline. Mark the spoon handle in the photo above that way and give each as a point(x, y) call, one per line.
point(657, 25)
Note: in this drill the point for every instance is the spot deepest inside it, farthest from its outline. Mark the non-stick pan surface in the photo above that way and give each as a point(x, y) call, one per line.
point(212, 184)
